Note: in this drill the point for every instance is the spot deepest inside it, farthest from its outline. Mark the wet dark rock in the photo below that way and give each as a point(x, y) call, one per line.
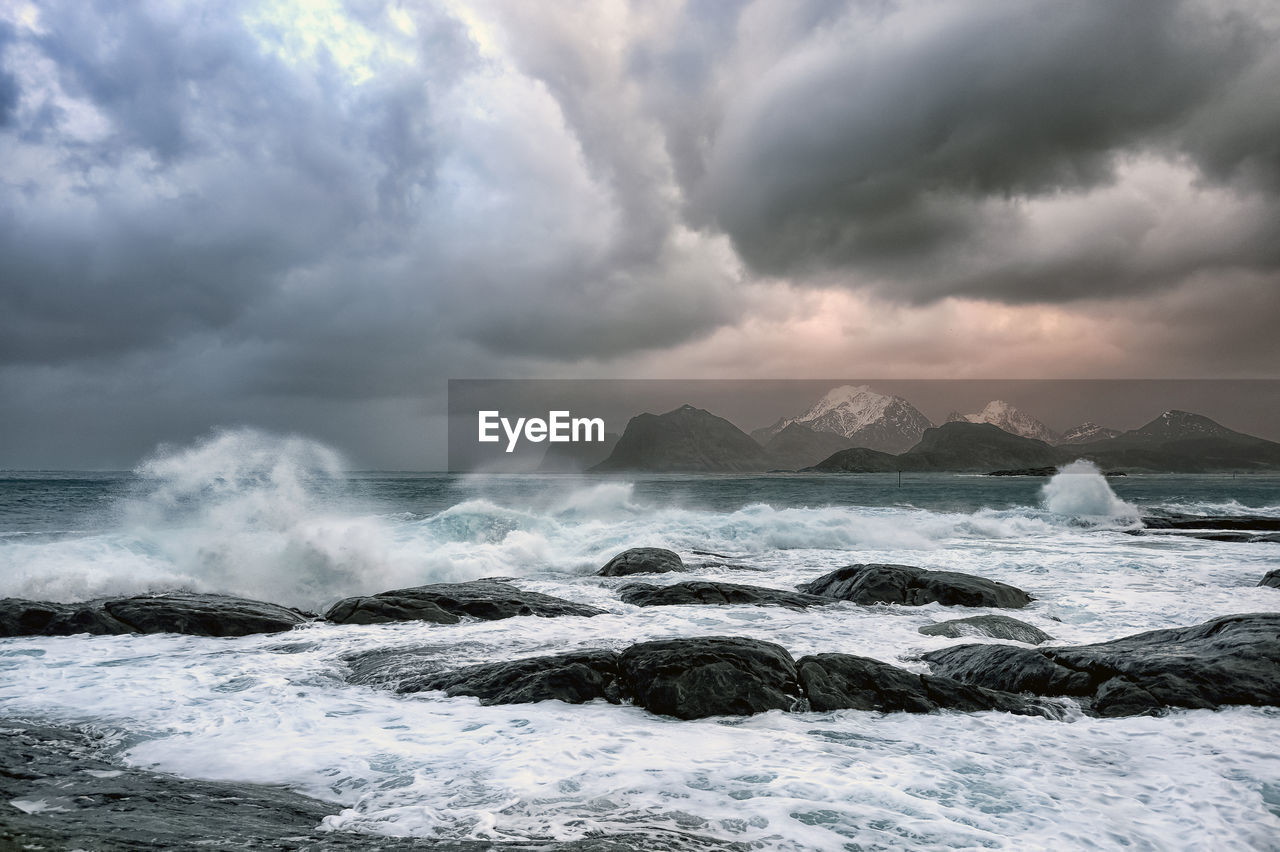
point(642, 560)
point(1272, 579)
point(1236, 536)
point(912, 586)
point(993, 626)
point(388, 608)
point(1010, 669)
point(445, 603)
point(20, 617)
point(178, 612)
point(202, 615)
point(575, 678)
point(1230, 660)
point(710, 592)
point(1245, 529)
point(846, 682)
point(710, 676)
point(1180, 521)
point(94, 802)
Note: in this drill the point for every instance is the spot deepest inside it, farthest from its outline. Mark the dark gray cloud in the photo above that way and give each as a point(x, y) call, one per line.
point(914, 145)
point(292, 213)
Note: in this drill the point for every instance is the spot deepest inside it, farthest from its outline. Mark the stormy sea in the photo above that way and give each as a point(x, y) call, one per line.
point(281, 520)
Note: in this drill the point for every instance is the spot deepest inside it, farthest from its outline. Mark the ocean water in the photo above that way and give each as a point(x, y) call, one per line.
point(279, 519)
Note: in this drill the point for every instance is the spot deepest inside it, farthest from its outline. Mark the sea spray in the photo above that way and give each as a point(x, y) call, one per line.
point(1080, 491)
point(249, 512)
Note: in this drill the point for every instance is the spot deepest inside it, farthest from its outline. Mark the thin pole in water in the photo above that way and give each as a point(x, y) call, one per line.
point(899, 479)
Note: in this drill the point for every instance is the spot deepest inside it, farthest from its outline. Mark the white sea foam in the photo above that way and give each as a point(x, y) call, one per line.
point(276, 709)
point(241, 512)
point(1079, 490)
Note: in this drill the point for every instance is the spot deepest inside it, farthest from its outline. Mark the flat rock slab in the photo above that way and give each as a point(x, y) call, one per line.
point(1177, 521)
point(992, 626)
point(1237, 536)
point(906, 584)
point(178, 612)
point(845, 682)
point(711, 592)
point(710, 676)
point(60, 790)
point(447, 603)
point(642, 560)
point(574, 678)
point(1227, 661)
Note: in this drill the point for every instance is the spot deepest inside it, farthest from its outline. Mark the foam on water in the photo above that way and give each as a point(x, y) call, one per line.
point(275, 710)
point(241, 512)
point(265, 516)
point(271, 517)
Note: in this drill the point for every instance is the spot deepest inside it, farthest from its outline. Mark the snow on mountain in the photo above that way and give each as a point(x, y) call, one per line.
point(869, 419)
point(1010, 419)
point(1086, 432)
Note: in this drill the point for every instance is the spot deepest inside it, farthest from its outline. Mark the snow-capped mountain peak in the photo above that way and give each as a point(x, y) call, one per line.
point(1010, 419)
point(869, 419)
point(858, 406)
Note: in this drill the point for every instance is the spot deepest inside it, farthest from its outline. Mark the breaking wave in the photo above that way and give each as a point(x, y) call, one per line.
point(277, 518)
point(1080, 491)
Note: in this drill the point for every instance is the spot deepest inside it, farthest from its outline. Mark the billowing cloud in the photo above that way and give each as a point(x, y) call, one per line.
point(1024, 151)
point(256, 172)
point(309, 215)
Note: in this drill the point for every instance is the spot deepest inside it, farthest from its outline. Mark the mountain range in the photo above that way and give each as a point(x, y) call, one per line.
point(855, 429)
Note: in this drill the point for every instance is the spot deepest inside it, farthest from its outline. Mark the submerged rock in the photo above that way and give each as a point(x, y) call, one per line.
point(61, 790)
point(710, 592)
point(912, 586)
point(401, 669)
point(575, 678)
point(178, 612)
point(710, 676)
point(642, 560)
point(845, 682)
point(445, 603)
point(994, 626)
point(1226, 661)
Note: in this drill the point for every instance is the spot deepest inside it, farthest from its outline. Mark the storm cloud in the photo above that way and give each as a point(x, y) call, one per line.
point(1020, 151)
point(308, 215)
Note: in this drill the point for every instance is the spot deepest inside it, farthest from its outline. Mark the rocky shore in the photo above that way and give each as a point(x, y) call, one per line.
point(1232, 660)
point(63, 788)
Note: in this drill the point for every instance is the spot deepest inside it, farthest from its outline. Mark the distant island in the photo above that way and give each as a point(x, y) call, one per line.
point(856, 430)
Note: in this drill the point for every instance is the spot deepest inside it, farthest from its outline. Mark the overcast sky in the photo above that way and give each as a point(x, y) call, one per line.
point(308, 216)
